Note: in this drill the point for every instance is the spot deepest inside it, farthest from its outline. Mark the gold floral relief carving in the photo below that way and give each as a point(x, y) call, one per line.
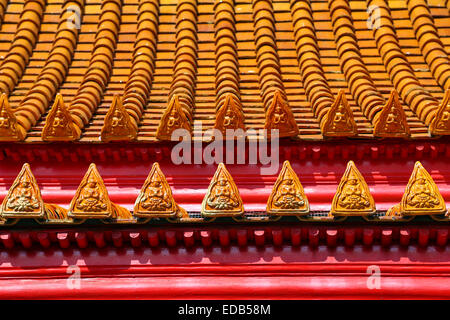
point(24, 197)
point(422, 195)
point(441, 122)
point(172, 119)
point(288, 196)
point(339, 121)
point(222, 197)
point(9, 130)
point(155, 198)
point(280, 117)
point(91, 199)
point(117, 125)
point(353, 195)
point(391, 121)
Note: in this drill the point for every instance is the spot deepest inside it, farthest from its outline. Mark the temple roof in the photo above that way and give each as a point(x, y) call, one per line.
point(324, 64)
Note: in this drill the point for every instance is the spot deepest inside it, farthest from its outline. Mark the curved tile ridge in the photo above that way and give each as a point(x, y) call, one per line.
point(278, 113)
point(54, 72)
point(429, 41)
point(137, 88)
point(313, 77)
point(229, 114)
point(90, 93)
point(400, 71)
point(182, 89)
point(15, 62)
point(3, 5)
point(358, 77)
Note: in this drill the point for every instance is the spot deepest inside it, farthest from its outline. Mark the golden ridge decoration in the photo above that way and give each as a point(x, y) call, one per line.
point(441, 122)
point(353, 195)
point(229, 116)
point(58, 124)
point(172, 119)
point(422, 195)
point(117, 125)
point(391, 121)
point(222, 198)
point(339, 120)
point(155, 198)
point(24, 197)
point(288, 196)
point(280, 117)
point(9, 130)
point(55, 214)
point(91, 199)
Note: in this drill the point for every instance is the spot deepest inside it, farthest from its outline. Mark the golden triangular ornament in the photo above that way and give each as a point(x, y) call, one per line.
point(441, 122)
point(391, 121)
point(24, 197)
point(172, 119)
point(155, 198)
point(91, 199)
point(58, 124)
point(353, 195)
point(288, 196)
point(222, 197)
point(229, 116)
point(422, 195)
point(280, 117)
point(339, 121)
point(117, 125)
point(9, 129)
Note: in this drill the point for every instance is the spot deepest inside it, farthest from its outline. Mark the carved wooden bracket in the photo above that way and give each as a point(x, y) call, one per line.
point(391, 121)
point(117, 125)
point(172, 119)
point(58, 124)
point(339, 120)
point(441, 122)
point(9, 130)
point(353, 195)
point(222, 198)
point(288, 196)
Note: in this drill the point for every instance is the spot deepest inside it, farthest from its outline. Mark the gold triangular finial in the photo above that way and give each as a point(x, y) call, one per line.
point(229, 116)
point(339, 121)
point(91, 199)
point(58, 124)
point(353, 195)
point(421, 196)
point(280, 117)
point(222, 197)
point(9, 129)
point(24, 197)
point(172, 119)
point(155, 198)
point(441, 122)
point(288, 196)
point(117, 125)
point(391, 121)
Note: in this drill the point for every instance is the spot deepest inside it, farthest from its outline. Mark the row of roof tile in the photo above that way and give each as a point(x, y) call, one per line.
point(122, 123)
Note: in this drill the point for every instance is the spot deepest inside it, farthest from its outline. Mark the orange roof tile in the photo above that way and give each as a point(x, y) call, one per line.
point(148, 51)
